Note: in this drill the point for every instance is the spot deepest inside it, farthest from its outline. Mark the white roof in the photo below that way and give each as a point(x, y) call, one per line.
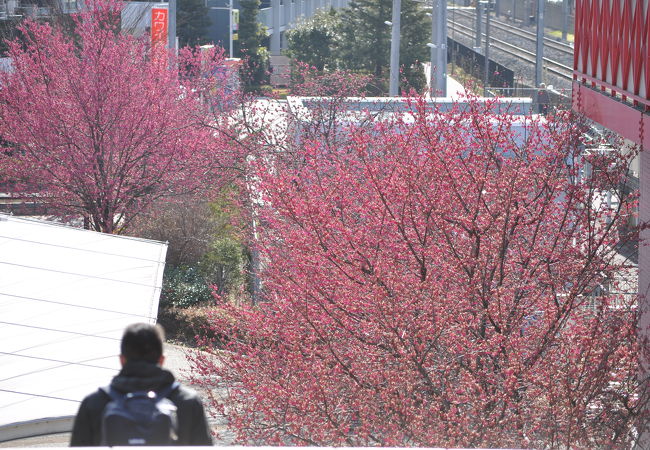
point(66, 295)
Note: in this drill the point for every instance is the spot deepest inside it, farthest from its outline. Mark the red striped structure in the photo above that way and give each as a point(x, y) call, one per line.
point(611, 65)
point(611, 85)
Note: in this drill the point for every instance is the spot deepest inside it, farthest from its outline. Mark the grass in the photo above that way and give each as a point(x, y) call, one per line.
point(470, 83)
point(558, 35)
point(281, 92)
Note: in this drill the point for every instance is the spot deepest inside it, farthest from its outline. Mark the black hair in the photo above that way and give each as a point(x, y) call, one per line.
point(142, 342)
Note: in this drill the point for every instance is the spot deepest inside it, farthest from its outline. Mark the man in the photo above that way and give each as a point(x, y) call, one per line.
point(543, 99)
point(141, 358)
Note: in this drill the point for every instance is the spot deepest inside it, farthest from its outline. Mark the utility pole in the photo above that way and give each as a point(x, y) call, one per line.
point(394, 49)
point(438, 74)
point(171, 25)
point(275, 19)
point(486, 75)
point(477, 40)
point(453, 35)
point(230, 29)
point(565, 19)
point(539, 57)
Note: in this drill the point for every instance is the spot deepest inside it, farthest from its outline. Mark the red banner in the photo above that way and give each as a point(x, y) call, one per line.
point(159, 23)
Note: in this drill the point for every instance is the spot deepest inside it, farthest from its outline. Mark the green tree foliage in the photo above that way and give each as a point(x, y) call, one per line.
point(368, 38)
point(314, 41)
point(206, 258)
point(358, 39)
point(252, 36)
point(184, 286)
point(224, 261)
point(192, 22)
point(8, 32)
point(413, 77)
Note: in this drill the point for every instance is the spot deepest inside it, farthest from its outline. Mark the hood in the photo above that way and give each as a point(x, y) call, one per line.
point(142, 376)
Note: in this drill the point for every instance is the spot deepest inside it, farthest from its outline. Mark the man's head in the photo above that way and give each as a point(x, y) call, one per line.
point(142, 342)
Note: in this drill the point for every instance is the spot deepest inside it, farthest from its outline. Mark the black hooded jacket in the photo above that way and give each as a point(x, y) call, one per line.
point(142, 376)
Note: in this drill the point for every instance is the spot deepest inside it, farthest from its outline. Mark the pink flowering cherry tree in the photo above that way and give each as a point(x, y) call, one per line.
point(99, 125)
point(441, 280)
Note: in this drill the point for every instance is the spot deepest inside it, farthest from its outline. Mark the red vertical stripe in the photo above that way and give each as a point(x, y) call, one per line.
point(646, 53)
point(584, 31)
point(638, 39)
point(626, 44)
point(605, 37)
point(577, 42)
point(594, 41)
point(617, 41)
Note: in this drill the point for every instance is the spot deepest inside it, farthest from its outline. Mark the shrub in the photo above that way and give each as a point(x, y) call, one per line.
point(184, 286)
point(193, 326)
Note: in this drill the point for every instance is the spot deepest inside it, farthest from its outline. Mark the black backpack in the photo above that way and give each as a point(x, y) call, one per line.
point(139, 418)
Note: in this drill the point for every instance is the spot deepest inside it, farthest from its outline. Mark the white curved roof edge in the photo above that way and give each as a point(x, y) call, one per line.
point(66, 295)
point(42, 221)
point(36, 427)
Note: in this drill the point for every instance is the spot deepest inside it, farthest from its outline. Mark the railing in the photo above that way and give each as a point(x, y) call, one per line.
point(544, 100)
point(34, 11)
point(9, 9)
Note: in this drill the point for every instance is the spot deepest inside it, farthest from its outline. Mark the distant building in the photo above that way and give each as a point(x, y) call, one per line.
point(290, 12)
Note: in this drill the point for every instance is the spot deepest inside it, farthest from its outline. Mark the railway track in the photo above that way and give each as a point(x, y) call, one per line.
point(515, 44)
point(561, 70)
point(564, 49)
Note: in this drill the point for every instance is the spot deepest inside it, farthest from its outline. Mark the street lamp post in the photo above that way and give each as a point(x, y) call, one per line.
point(171, 32)
point(565, 19)
point(539, 57)
point(438, 46)
point(275, 19)
point(230, 29)
point(486, 68)
point(453, 38)
point(479, 19)
point(394, 49)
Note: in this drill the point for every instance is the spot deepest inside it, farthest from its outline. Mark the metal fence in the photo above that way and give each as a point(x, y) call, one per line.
point(473, 63)
point(544, 100)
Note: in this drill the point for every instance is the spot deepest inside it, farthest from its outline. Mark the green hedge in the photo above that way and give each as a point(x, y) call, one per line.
point(183, 287)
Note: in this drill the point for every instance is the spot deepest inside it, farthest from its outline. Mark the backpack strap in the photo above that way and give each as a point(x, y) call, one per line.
point(117, 395)
point(166, 392)
point(112, 393)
